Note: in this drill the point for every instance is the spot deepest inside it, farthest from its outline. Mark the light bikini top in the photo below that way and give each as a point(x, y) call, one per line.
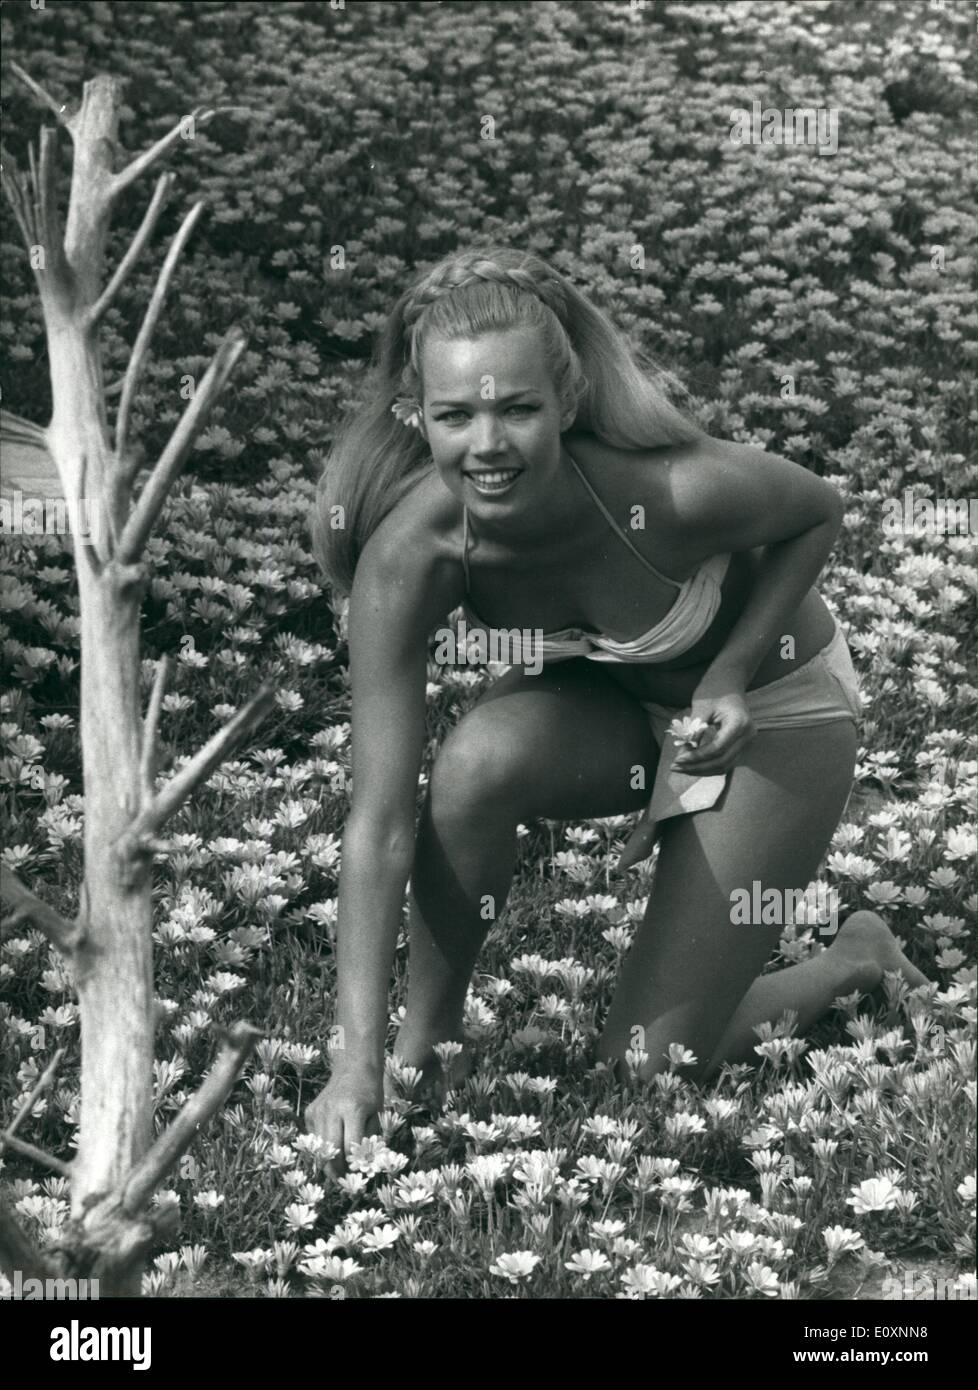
point(696, 605)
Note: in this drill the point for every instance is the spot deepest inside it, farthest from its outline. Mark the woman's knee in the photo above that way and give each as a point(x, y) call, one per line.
point(480, 766)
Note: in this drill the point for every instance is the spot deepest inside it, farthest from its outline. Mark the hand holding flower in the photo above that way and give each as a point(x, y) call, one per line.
point(715, 734)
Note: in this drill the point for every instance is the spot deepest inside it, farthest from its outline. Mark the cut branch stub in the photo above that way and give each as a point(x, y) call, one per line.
point(66, 936)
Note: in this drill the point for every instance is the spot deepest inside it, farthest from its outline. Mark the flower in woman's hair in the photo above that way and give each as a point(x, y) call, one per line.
point(408, 411)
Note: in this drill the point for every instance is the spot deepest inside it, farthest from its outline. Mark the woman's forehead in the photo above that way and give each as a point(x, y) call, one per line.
point(513, 358)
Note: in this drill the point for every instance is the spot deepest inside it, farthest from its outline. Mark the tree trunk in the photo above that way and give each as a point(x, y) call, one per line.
point(109, 944)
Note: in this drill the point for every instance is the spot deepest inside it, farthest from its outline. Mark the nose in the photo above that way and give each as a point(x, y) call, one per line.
point(488, 435)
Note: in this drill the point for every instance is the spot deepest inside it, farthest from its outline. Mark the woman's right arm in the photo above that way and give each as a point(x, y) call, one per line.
point(401, 589)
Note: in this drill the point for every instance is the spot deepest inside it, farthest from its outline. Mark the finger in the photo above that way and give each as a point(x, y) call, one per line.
point(730, 739)
point(322, 1126)
point(336, 1167)
point(706, 740)
point(731, 749)
point(725, 743)
point(355, 1130)
point(724, 764)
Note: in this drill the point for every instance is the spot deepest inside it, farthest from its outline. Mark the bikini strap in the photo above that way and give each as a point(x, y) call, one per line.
point(613, 523)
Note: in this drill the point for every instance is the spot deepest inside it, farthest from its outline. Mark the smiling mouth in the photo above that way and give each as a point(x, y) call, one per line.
point(494, 480)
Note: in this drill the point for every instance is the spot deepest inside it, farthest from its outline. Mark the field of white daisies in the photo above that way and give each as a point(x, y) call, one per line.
point(838, 1160)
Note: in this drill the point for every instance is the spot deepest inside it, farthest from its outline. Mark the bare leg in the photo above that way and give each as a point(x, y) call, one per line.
point(690, 967)
point(459, 884)
point(863, 949)
point(562, 744)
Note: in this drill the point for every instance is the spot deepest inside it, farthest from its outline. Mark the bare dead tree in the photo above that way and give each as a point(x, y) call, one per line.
point(108, 944)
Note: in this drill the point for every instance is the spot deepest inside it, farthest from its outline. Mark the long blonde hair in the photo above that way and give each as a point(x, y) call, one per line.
point(620, 395)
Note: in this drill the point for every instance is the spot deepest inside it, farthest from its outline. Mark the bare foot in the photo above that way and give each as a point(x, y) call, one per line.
point(866, 939)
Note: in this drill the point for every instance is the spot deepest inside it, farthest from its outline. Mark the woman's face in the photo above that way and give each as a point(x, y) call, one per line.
point(493, 420)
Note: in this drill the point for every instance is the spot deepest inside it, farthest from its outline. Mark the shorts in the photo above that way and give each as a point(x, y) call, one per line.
point(820, 691)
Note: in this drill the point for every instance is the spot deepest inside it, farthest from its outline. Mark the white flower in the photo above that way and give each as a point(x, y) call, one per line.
point(588, 1262)
point(840, 1240)
point(517, 1265)
point(408, 411)
point(299, 1215)
point(645, 1281)
point(875, 1194)
point(381, 1238)
point(209, 1200)
point(762, 1279)
point(961, 843)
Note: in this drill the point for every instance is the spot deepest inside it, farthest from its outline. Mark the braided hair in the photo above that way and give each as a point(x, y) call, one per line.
point(471, 289)
point(602, 383)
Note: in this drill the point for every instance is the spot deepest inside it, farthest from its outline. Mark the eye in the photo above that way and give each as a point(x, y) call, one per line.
point(450, 414)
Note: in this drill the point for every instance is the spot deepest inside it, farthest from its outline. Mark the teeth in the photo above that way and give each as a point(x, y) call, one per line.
point(494, 479)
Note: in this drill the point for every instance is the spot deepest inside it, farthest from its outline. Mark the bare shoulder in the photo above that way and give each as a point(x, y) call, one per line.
point(658, 479)
point(414, 555)
point(713, 496)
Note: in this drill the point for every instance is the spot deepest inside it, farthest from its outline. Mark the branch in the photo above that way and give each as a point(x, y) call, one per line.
point(135, 367)
point(132, 463)
point(170, 462)
point(46, 1078)
point(217, 748)
point(151, 724)
point(199, 1109)
point(46, 1160)
point(199, 116)
point(43, 97)
point(56, 276)
point(34, 199)
point(66, 936)
point(94, 314)
point(15, 186)
point(17, 1252)
point(7, 1136)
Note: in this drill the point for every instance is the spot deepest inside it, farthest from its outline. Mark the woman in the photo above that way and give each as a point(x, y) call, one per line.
point(515, 458)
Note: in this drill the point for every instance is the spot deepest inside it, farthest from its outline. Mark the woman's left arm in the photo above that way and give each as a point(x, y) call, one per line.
point(738, 498)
